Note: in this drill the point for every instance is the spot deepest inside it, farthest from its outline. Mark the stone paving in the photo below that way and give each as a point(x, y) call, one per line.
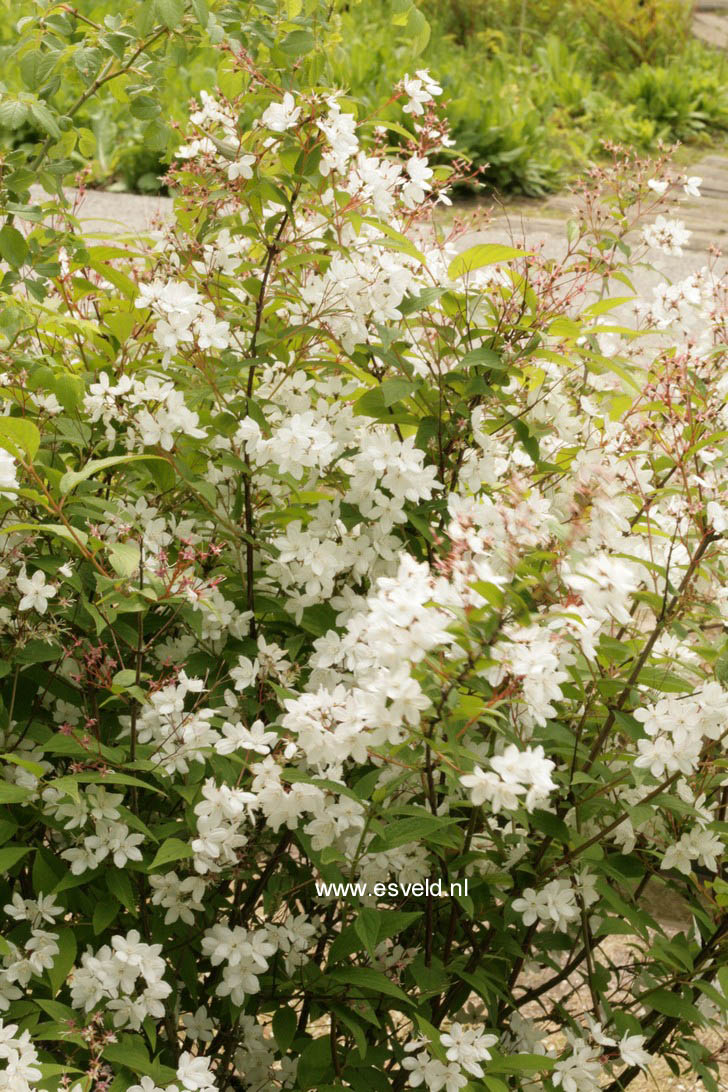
point(710, 22)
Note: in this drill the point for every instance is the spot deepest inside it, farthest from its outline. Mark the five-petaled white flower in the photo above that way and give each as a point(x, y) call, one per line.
point(281, 115)
point(35, 591)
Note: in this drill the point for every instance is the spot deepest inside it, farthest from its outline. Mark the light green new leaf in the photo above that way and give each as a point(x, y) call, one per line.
point(10, 855)
point(124, 557)
point(12, 794)
point(75, 536)
point(19, 436)
point(481, 255)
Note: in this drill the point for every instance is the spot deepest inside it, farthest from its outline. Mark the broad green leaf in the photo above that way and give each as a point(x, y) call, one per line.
point(13, 247)
point(169, 12)
point(481, 255)
point(171, 850)
point(12, 794)
point(64, 960)
point(40, 113)
point(124, 558)
point(671, 1004)
point(10, 855)
point(19, 436)
point(13, 113)
point(284, 1027)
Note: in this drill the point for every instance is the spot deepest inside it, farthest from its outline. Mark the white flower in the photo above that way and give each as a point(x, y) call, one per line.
point(669, 236)
point(420, 89)
point(245, 674)
point(468, 1047)
point(281, 115)
point(658, 187)
point(631, 1049)
point(240, 738)
point(692, 185)
point(8, 475)
point(35, 592)
point(146, 1085)
point(198, 1025)
point(242, 167)
point(194, 1073)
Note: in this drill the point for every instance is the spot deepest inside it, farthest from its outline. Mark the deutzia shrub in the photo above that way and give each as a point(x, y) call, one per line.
point(335, 553)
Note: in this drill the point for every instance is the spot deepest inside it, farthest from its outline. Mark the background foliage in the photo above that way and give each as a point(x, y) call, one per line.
point(532, 88)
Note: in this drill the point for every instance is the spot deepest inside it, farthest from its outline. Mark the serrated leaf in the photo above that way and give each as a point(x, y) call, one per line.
point(13, 113)
point(13, 247)
point(169, 12)
point(40, 113)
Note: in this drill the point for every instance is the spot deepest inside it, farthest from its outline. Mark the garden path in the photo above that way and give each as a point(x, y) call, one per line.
point(710, 22)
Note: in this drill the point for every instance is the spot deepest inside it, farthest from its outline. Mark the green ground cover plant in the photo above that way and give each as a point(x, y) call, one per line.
point(532, 88)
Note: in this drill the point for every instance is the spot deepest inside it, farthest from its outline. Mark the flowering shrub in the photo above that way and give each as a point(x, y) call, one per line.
point(333, 554)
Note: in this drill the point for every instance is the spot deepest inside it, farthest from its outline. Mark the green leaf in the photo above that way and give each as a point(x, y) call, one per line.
point(17, 435)
point(169, 12)
point(671, 1004)
point(40, 113)
point(75, 536)
point(119, 885)
point(298, 43)
point(131, 1053)
point(483, 254)
point(284, 1027)
point(418, 829)
point(171, 850)
point(72, 478)
point(314, 1063)
point(10, 855)
point(32, 767)
point(13, 114)
point(144, 107)
point(393, 390)
point(12, 794)
point(13, 247)
point(70, 781)
point(369, 979)
point(201, 12)
point(367, 928)
point(521, 1063)
point(64, 960)
point(418, 30)
point(104, 913)
point(124, 558)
